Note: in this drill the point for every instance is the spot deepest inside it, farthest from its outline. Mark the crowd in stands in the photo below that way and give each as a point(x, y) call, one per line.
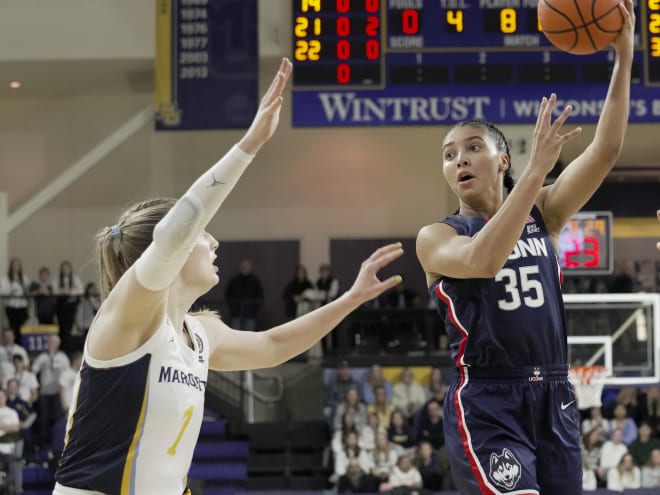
point(36, 383)
point(388, 434)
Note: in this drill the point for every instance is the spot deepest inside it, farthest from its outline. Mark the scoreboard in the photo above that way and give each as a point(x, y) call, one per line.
point(394, 62)
point(585, 244)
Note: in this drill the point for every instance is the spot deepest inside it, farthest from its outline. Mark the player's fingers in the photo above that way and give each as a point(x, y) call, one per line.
point(562, 117)
point(388, 283)
point(569, 136)
point(385, 258)
point(278, 82)
point(385, 249)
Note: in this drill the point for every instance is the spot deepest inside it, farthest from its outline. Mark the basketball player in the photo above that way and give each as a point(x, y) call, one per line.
point(138, 402)
point(510, 419)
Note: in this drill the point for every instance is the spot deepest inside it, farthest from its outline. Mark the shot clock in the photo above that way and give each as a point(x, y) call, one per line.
point(585, 244)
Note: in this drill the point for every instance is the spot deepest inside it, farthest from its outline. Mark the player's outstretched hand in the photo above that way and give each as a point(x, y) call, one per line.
point(625, 41)
point(367, 285)
point(268, 114)
point(547, 141)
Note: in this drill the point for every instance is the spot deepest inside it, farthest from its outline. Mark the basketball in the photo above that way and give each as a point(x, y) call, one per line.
point(580, 27)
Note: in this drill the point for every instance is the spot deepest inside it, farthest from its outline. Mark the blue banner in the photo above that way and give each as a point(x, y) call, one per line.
point(446, 104)
point(206, 64)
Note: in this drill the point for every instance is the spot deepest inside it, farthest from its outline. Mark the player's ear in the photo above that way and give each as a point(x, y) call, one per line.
point(505, 163)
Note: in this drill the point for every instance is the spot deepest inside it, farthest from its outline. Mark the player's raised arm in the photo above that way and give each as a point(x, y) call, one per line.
point(580, 179)
point(135, 306)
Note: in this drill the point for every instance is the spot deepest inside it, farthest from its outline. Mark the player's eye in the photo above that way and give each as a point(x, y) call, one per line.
point(449, 155)
point(474, 147)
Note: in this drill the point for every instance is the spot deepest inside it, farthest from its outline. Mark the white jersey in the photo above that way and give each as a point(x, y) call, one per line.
point(134, 420)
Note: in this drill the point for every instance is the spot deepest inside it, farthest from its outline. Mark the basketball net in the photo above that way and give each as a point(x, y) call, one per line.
point(588, 382)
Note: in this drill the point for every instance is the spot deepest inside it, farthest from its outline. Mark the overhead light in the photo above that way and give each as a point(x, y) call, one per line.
point(15, 84)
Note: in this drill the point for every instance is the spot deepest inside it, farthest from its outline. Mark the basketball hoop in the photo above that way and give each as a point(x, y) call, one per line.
point(588, 382)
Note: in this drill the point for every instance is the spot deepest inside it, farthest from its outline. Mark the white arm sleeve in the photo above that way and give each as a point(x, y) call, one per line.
point(175, 235)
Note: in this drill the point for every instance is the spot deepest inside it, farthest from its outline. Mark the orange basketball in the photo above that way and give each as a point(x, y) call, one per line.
point(580, 27)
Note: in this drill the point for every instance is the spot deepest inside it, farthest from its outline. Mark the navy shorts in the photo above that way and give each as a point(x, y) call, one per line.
point(513, 431)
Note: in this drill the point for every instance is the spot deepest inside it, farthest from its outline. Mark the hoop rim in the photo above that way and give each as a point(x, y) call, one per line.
point(585, 373)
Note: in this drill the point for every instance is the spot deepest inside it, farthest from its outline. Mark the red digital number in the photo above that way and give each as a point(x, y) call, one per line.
point(372, 49)
point(343, 6)
point(343, 73)
point(343, 50)
point(372, 26)
point(371, 6)
point(343, 25)
point(569, 254)
point(593, 252)
point(410, 21)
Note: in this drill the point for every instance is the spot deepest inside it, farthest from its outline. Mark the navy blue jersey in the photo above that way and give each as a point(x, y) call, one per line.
point(516, 319)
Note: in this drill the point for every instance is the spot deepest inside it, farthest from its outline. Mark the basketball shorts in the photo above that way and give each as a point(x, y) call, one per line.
point(513, 431)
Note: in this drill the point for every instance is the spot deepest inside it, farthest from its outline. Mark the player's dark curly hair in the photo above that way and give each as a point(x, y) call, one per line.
point(500, 142)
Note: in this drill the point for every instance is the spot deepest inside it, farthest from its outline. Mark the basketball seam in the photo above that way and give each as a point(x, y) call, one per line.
point(575, 28)
point(570, 21)
point(584, 24)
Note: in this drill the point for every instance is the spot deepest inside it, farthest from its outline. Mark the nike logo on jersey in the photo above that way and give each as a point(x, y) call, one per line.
point(564, 406)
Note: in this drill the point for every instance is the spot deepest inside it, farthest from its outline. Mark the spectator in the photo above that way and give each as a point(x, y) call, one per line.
point(375, 378)
point(405, 478)
point(595, 421)
point(42, 292)
point(244, 295)
point(643, 445)
point(591, 452)
point(431, 428)
point(294, 300)
point(347, 426)
point(353, 406)
point(68, 290)
point(10, 427)
point(624, 476)
point(28, 385)
point(356, 479)
point(429, 467)
point(611, 453)
point(369, 433)
point(624, 423)
point(68, 380)
point(87, 309)
point(48, 366)
point(10, 348)
point(398, 433)
point(25, 447)
point(589, 479)
point(408, 395)
point(350, 450)
point(382, 459)
point(14, 288)
point(649, 408)
point(651, 471)
point(436, 380)
point(337, 388)
point(381, 406)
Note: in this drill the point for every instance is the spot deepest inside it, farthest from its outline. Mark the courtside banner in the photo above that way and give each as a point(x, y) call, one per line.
point(446, 104)
point(206, 64)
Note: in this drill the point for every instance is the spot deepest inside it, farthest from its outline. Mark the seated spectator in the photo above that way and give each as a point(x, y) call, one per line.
point(597, 422)
point(381, 406)
point(25, 447)
point(353, 406)
point(651, 472)
point(399, 433)
point(375, 378)
point(10, 427)
point(10, 348)
point(437, 379)
point(611, 453)
point(624, 476)
point(591, 451)
point(431, 429)
point(347, 426)
point(405, 478)
point(349, 450)
point(408, 395)
point(624, 423)
point(28, 385)
point(641, 447)
point(368, 434)
point(382, 459)
point(649, 408)
point(589, 480)
point(356, 479)
point(337, 388)
point(428, 465)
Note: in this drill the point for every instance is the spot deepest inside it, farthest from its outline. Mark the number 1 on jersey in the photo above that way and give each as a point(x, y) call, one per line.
point(187, 416)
